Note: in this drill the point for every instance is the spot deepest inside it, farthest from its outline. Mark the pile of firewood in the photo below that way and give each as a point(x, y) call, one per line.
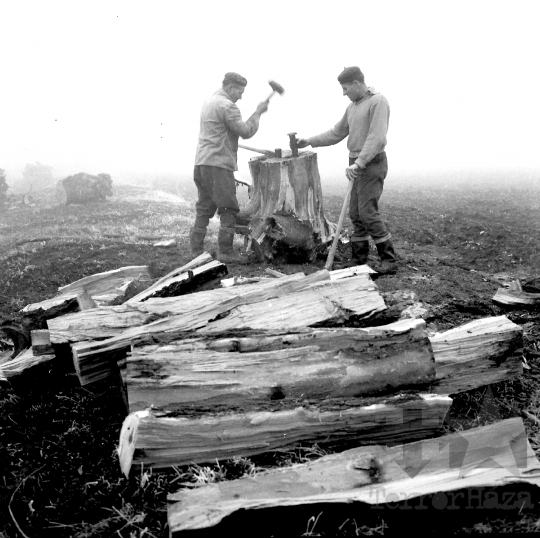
point(214, 368)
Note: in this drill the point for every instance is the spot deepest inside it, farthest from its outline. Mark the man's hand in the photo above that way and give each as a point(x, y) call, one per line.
point(302, 142)
point(262, 107)
point(352, 171)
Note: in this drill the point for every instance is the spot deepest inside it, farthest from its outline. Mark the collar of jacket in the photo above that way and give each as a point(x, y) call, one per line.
point(223, 93)
point(369, 92)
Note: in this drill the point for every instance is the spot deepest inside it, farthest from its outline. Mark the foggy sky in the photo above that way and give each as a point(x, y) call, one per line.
point(110, 86)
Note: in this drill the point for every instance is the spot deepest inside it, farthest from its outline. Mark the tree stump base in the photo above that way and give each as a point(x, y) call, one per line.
point(287, 219)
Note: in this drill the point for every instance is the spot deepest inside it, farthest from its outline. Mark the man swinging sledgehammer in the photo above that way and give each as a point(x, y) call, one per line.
point(215, 163)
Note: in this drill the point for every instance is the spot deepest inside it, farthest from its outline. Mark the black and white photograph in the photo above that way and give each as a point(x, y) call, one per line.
point(269, 269)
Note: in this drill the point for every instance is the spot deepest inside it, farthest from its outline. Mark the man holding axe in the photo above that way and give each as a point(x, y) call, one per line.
point(215, 162)
point(365, 123)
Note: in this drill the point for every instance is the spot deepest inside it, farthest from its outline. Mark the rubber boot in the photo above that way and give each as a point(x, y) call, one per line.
point(196, 240)
point(226, 253)
point(388, 264)
point(360, 252)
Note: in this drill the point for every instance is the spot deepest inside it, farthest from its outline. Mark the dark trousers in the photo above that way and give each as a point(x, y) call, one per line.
point(364, 203)
point(217, 193)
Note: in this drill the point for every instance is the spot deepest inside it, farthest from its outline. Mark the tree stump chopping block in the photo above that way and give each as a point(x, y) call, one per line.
point(286, 212)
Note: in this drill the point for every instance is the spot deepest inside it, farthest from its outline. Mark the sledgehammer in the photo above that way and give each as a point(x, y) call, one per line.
point(276, 88)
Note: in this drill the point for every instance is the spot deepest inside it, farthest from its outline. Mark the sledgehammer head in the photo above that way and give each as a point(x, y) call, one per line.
point(278, 88)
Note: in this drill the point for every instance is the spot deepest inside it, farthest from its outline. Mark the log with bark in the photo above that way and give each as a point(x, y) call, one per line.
point(163, 283)
point(161, 441)
point(188, 281)
point(286, 208)
point(36, 315)
point(313, 363)
point(485, 457)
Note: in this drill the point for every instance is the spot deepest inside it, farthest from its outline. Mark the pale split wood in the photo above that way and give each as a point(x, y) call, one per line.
point(106, 282)
point(95, 357)
point(489, 456)
point(107, 322)
point(318, 363)
point(516, 298)
point(24, 362)
point(163, 441)
point(480, 352)
point(41, 342)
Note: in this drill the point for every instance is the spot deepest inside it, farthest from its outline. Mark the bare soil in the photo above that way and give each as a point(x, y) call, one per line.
point(58, 470)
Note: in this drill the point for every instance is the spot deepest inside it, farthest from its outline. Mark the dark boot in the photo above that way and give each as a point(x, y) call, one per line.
point(226, 253)
point(388, 265)
point(360, 252)
point(196, 240)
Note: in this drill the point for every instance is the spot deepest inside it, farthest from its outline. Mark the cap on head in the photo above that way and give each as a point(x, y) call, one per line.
point(234, 78)
point(349, 74)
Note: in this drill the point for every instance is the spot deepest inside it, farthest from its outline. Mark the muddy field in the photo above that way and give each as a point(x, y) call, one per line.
point(59, 474)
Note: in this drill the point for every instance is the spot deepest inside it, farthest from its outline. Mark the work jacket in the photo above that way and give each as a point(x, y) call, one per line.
point(365, 122)
point(221, 125)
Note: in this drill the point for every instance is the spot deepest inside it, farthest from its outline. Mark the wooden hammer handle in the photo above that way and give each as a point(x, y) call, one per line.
point(263, 151)
point(331, 254)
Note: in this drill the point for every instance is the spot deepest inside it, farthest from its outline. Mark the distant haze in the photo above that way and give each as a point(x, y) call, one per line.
point(116, 87)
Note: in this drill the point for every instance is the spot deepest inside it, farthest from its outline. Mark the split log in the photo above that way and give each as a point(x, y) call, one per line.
point(76, 301)
point(163, 441)
point(106, 282)
point(189, 281)
point(83, 188)
point(108, 322)
point(286, 208)
point(97, 360)
point(315, 363)
point(338, 274)
point(478, 353)
point(335, 301)
point(516, 298)
point(203, 259)
point(25, 363)
point(484, 457)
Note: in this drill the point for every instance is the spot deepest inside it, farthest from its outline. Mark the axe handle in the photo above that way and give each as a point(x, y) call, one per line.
point(331, 254)
point(263, 151)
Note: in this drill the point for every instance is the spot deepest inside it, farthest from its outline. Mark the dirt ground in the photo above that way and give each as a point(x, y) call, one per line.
point(58, 470)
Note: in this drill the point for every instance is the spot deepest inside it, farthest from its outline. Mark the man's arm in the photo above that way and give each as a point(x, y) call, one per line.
point(247, 129)
point(328, 138)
